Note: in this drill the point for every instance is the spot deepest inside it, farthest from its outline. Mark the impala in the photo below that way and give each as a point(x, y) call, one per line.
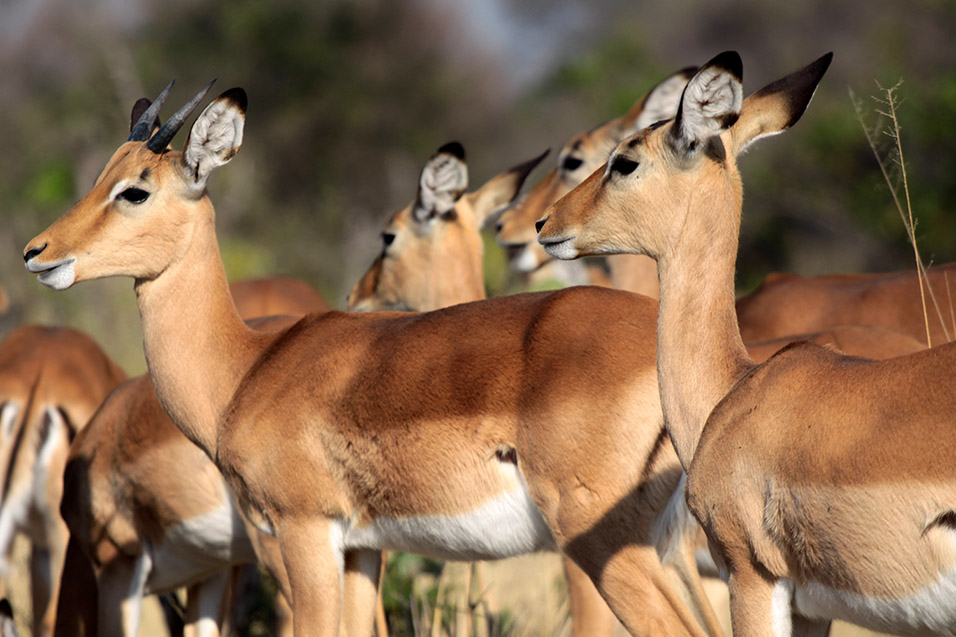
point(824, 482)
point(432, 252)
point(578, 158)
point(51, 382)
point(422, 268)
point(461, 433)
point(150, 509)
point(786, 304)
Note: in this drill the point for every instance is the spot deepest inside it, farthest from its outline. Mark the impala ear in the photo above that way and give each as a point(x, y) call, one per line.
point(661, 102)
point(215, 138)
point(497, 193)
point(442, 183)
point(777, 106)
point(710, 103)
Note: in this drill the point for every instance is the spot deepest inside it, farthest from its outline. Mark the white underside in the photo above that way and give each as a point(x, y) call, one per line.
point(198, 548)
point(505, 526)
point(930, 611)
point(562, 250)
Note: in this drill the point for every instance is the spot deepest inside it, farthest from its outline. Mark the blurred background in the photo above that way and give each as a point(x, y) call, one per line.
point(348, 100)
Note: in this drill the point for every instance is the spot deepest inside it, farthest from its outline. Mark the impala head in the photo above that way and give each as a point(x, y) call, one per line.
point(432, 249)
point(139, 214)
point(639, 200)
point(579, 157)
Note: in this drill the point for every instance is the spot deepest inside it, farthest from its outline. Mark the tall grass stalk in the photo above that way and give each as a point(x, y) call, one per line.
point(887, 107)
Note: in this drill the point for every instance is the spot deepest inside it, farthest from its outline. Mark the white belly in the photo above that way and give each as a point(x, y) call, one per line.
point(931, 611)
point(506, 526)
point(199, 547)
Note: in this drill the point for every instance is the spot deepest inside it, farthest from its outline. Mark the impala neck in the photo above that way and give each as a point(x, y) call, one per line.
point(700, 354)
point(197, 348)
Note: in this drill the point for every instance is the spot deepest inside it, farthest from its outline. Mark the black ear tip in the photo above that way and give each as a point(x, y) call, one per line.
point(455, 149)
point(823, 63)
point(687, 72)
point(729, 61)
point(238, 97)
point(5, 609)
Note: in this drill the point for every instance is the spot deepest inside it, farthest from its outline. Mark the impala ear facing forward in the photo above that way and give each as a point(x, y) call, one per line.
point(215, 138)
point(442, 183)
point(710, 103)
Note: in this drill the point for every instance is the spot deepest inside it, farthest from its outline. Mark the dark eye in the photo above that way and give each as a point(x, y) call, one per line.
point(387, 238)
point(133, 195)
point(623, 166)
point(571, 163)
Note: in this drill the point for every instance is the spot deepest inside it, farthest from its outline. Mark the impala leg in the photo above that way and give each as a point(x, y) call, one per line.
point(590, 614)
point(314, 567)
point(205, 604)
point(362, 572)
point(44, 574)
point(684, 567)
point(638, 590)
point(121, 583)
point(757, 607)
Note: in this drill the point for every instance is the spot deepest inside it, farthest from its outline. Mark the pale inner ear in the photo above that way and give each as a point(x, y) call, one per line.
point(214, 139)
point(661, 103)
point(441, 185)
point(710, 105)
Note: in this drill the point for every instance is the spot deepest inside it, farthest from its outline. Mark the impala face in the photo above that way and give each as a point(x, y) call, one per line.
point(432, 257)
point(581, 156)
point(129, 223)
point(635, 202)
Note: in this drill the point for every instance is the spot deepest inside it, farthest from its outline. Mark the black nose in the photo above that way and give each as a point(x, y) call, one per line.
point(498, 228)
point(32, 252)
point(387, 238)
point(540, 224)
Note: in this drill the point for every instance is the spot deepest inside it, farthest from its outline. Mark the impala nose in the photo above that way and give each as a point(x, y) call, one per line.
point(32, 252)
point(540, 224)
point(498, 228)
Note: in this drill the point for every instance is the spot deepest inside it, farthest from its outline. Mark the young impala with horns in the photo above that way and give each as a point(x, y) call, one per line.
point(824, 482)
point(466, 433)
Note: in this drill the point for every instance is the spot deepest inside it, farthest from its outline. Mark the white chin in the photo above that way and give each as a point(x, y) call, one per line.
point(525, 262)
point(563, 250)
point(59, 278)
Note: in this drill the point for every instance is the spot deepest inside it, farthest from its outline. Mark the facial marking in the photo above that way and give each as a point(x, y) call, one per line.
point(118, 188)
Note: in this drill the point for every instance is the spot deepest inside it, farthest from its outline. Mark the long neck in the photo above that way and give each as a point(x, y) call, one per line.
point(700, 354)
point(197, 348)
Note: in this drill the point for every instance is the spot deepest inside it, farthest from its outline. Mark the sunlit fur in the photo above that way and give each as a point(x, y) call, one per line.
point(51, 382)
point(181, 514)
point(591, 148)
point(433, 263)
point(403, 416)
point(831, 472)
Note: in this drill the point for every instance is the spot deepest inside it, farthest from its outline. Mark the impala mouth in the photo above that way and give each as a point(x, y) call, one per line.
point(59, 275)
point(561, 248)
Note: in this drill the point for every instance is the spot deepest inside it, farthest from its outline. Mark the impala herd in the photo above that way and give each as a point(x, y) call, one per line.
point(595, 422)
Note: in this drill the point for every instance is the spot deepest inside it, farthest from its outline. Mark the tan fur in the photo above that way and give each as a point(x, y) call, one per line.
point(344, 418)
point(439, 263)
point(434, 260)
point(41, 369)
point(132, 477)
point(516, 232)
point(813, 468)
point(790, 304)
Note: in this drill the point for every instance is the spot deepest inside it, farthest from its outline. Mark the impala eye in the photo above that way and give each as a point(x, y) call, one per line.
point(571, 163)
point(624, 166)
point(133, 195)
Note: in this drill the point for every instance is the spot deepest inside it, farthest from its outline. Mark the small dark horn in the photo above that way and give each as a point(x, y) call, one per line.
point(158, 142)
point(144, 125)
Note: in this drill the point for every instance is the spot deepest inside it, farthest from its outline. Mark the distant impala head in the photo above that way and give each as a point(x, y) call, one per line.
point(432, 249)
point(578, 158)
point(123, 226)
point(639, 200)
